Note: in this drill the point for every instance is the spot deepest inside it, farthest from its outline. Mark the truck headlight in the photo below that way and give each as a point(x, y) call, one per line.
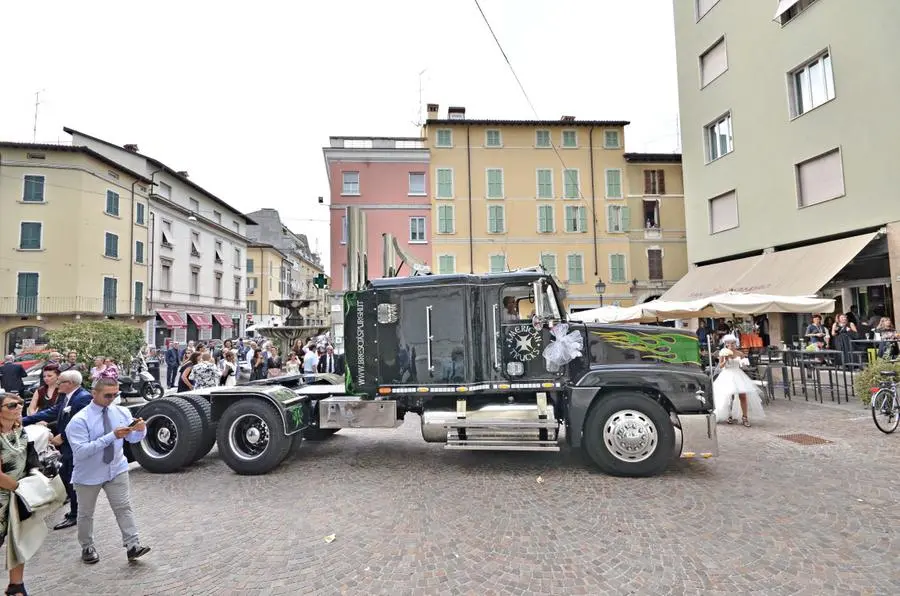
point(515, 369)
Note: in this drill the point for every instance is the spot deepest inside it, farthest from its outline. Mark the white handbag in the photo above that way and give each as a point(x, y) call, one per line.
point(36, 490)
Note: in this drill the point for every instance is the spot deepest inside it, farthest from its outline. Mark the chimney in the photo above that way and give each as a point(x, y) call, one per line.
point(183, 174)
point(456, 113)
point(568, 118)
point(131, 147)
point(432, 111)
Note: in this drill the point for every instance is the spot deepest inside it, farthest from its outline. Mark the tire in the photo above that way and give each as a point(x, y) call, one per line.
point(208, 437)
point(647, 454)
point(151, 391)
point(886, 417)
point(174, 429)
point(251, 437)
point(318, 434)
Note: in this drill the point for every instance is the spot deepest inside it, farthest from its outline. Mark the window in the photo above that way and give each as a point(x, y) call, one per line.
point(195, 282)
point(545, 184)
point(571, 182)
point(569, 138)
point(545, 219)
point(417, 183)
point(217, 286)
point(820, 179)
point(494, 183)
point(237, 289)
point(498, 263)
point(218, 217)
point(651, 214)
point(30, 233)
point(788, 9)
point(444, 183)
point(575, 264)
point(723, 213)
point(446, 264)
point(718, 138)
point(27, 294)
point(614, 184)
point(492, 138)
point(218, 255)
point(617, 272)
point(195, 244)
point(249, 265)
point(34, 189)
point(345, 273)
point(654, 182)
point(350, 183)
point(576, 219)
point(618, 219)
point(165, 278)
point(655, 264)
point(252, 284)
point(713, 62)
point(446, 219)
point(237, 258)
point(112, 203)
point(139, 252)
point(195, 205)
point(138, 297)
point(542, 138)
point(444, 138)
point(252, 307)
point(110, 292)
point(344, 230)
point(812, 85)
point(139, 213)
point(611, 139)
point(165, 191)
point(166, 234)
point(548, 262)
point(496, 219)
point(236, 226)
point(417, 229)
point(111, 248)
point(704, 6)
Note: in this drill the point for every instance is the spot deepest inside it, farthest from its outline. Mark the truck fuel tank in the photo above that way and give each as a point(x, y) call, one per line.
point(492, 421)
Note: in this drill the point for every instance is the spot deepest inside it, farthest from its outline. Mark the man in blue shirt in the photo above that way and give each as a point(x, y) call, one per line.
point(96, 435)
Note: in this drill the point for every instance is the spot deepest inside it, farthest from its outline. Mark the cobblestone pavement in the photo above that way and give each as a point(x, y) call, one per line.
point(767, 517)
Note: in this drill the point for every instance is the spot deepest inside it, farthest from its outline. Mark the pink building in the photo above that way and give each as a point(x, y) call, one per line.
point(388, 178)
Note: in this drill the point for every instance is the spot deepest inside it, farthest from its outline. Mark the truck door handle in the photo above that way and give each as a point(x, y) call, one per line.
point(428, 335)
point(496, 337)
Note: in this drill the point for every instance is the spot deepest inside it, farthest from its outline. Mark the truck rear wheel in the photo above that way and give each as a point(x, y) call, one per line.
point(628, 434)
point(208, 435)
point(174, 429)
point(251, 437)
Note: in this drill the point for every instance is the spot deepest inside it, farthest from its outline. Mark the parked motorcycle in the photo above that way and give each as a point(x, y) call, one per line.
point(141, 383)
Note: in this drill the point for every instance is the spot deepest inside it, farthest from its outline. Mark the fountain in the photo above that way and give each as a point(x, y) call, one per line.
point(294, 326)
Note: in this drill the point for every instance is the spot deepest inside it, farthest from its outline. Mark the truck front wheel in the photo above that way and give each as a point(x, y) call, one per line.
point(628, 434)
point(251, 437)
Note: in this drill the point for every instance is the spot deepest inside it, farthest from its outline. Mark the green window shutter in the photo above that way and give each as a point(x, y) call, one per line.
point(618, 268)
point(26, 293)
point(614, 183)
point(34, 189)
point(626, 219)
point(112, 203)
point(138, 298)
point(112, 246)
point(445, 184)
point(139, 213)
point(575, 269)
point(139, 251)
point(612, 217)
point(549, 263)
point(30, 236)
point(545, 184)
point(495, 184)
point(582, 219)
point(571, 183)
point(495, 219)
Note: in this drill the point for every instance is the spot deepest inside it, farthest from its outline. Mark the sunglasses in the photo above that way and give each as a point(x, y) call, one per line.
point(14, 405)
point(108, 395)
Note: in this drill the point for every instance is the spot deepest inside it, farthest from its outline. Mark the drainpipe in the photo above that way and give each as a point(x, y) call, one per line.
point(593, 200)
point(151, 234)
point(469, 176)
point(131, 252)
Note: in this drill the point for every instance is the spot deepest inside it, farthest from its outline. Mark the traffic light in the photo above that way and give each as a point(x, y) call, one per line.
point(320, 281)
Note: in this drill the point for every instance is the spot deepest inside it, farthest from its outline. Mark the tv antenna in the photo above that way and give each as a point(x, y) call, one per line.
point(421, 119)
point(37, 102)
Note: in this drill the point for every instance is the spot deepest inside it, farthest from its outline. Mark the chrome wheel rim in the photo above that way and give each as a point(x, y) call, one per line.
point(161, 437)
point(630, 436)
point(248, 437)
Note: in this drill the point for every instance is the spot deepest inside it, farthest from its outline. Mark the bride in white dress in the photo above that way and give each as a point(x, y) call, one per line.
point(733, 382)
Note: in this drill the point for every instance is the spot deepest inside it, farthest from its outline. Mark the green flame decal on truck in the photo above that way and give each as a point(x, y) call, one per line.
point(671, 348)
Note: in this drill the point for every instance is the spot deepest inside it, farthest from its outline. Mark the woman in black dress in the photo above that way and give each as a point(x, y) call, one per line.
point(184, 373)
point(842, 334)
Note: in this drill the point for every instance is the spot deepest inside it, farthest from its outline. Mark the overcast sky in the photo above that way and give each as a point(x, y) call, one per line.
point(243, 95)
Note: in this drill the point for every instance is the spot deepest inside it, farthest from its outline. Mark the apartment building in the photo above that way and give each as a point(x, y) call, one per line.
point(74, 240)
point(197, 251)
point(788, 135)
point(268, 279)
point(387, 177)
point(510, 194)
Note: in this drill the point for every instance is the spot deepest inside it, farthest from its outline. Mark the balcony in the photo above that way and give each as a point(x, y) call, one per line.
point(28, 306)
point(653, 233)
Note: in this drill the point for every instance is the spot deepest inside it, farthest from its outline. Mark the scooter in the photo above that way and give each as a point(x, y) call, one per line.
point(141, 383)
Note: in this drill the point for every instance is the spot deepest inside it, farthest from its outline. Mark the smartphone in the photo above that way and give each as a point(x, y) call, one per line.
point(133, 422)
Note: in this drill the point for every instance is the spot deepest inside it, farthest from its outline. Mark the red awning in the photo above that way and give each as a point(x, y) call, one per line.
point(171, 318)
point(201, 319)
point(223, 319)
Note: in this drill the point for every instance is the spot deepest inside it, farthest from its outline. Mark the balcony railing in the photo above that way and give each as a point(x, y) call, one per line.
point(75, 305)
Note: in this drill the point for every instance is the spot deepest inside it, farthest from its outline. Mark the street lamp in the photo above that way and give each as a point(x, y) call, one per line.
point(600, 287)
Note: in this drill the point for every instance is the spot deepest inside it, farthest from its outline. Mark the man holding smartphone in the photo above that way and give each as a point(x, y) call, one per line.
point(96, 435)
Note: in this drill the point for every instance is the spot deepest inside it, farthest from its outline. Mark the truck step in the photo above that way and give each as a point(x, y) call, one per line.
point(500, 445)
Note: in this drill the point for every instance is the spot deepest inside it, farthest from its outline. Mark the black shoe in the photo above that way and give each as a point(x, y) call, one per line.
point(136, 552)
point(89, 555)
point(16, 590)
point(67, 522)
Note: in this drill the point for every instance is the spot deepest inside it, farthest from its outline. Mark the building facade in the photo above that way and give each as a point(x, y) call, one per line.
point(197, 249)
point(268, 279)
point(560, 193)
point(788, 148)
point(74, 240)
point(387, 177)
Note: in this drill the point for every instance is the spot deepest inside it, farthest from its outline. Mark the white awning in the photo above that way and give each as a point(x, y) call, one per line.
point(709, 280)
point(783, 7)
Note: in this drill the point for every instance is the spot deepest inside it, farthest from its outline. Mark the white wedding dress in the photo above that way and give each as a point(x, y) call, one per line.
point(731, 382)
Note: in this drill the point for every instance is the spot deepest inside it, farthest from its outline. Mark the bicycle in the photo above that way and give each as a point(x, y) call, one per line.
point(885, 404)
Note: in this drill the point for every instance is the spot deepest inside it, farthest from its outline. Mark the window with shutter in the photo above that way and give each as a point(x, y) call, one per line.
point(34, 189)
point(112, 203)
point(444, 138)
point(576, 219)
point(576, 269)
point(570, 177)
point(654, 263)
point(617, 268)
point(548, 262)
point(614, 184)
point(542, 138)
point(446, 223)
point(139, 216)
point(545, 184)
point(112, 246)
point(545, 219)
point(110, 289)
point(569, 139)
point(446, 264)
point(30, 236)
point(27, 293)
point(138, 252)
point(138, 297)
point(654, 182)
point(444, 183)
point(496, 219)
point(495, 183)
point(492, 138)
point(498, 263)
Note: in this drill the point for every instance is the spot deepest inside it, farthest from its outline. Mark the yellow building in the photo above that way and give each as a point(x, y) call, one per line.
point(268, 278)
point(563, 193)
point(73, 240)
